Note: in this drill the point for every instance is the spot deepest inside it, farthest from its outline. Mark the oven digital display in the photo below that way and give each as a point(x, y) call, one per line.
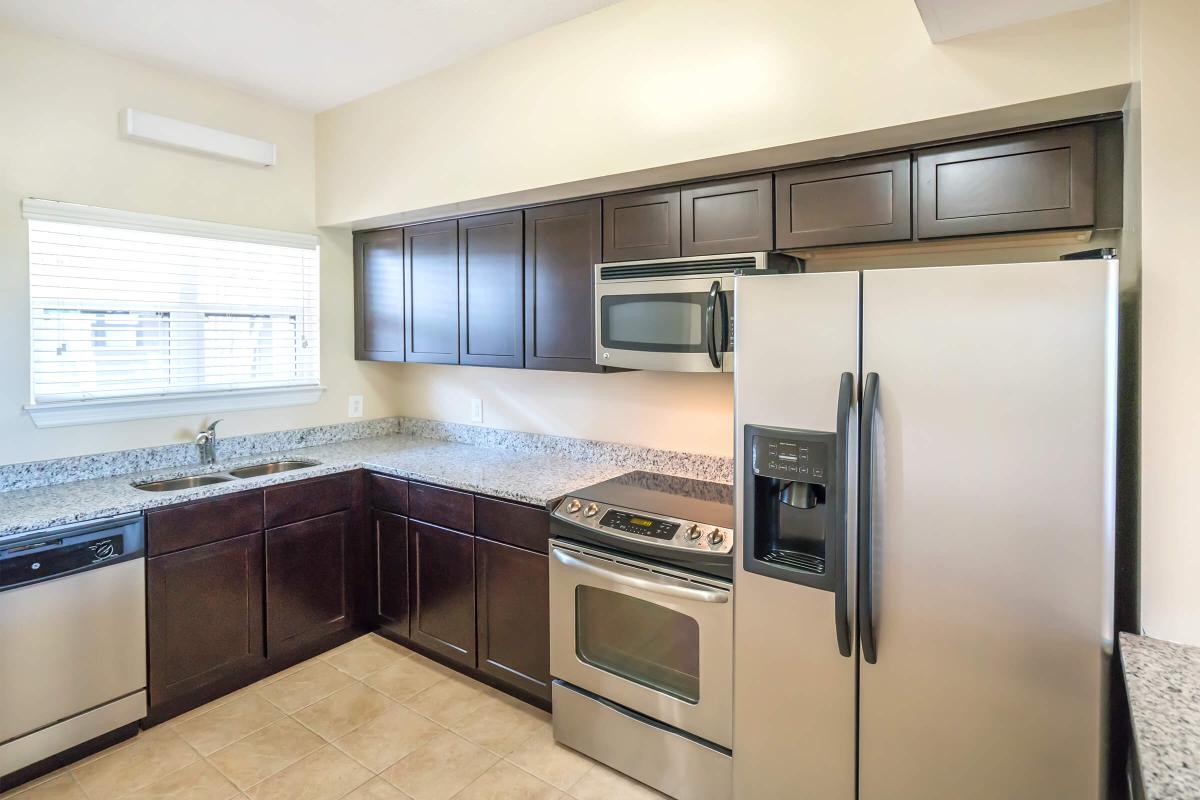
point(643, 526)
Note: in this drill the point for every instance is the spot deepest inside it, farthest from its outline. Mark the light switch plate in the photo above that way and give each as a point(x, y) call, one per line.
point(355, 407)
point(476, 410)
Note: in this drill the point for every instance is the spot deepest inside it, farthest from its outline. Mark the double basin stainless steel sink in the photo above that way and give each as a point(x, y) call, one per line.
point(208, 479)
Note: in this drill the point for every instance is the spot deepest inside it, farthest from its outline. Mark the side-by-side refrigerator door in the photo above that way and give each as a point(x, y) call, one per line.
point(797, 353)
point(986, 571)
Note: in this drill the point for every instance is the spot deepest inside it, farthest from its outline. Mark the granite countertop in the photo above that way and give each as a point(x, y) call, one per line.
point(535, 478)
point(1163, 682)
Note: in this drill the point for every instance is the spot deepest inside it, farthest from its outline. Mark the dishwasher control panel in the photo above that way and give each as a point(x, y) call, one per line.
point(45, 556)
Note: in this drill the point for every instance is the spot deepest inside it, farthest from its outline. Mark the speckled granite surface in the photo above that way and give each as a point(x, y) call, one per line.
point(516, 469)
point(1163, 682)
point(123, 462)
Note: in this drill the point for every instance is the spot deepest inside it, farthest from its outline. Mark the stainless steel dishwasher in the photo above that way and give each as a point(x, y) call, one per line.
point(72, 637)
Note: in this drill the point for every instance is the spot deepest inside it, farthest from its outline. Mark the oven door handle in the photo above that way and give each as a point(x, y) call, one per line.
point(629, 576)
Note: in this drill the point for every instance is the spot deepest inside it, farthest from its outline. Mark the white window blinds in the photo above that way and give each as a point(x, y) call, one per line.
point(136, 306)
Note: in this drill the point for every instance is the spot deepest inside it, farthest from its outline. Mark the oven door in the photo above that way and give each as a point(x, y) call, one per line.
point(671, 324)
point(657, 641)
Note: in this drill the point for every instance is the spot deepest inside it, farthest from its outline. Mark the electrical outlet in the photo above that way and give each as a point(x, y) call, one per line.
point(355, 407)
point(476, 410)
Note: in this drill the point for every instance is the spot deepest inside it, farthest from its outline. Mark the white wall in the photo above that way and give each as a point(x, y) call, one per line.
point(645, 83)
point(1170, 209)
point(58, 137)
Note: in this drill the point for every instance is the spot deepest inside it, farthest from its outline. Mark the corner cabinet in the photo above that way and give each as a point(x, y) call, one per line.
point(491, 302)
point(1028, 181)
point(562, 247)
point(379, 295)
point(431, 292)
point(443, 590)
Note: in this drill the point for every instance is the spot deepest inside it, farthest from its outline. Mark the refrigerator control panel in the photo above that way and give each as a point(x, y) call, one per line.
point(804, 461)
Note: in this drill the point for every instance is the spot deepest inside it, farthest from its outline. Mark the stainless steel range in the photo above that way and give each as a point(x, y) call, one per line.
point(641, 630)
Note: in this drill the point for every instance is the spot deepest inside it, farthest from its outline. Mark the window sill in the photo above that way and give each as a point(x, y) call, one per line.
point(87, 412)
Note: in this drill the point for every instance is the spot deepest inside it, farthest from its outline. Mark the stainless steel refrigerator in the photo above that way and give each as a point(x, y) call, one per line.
point(925, 563)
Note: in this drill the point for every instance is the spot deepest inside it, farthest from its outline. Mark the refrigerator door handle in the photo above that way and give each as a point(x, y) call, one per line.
point(866, 610)
point(842, 572)
point(710, 313)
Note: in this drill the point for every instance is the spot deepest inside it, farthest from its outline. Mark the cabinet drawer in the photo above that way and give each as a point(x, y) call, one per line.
point(440, 506)
point(850, 202)
point(512, 523)
point(1025, 182)
point(389, 494)
point(293, 502)
point(202, 522)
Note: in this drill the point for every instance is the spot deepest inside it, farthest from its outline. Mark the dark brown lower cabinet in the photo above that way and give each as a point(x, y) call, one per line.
point(205, 615)
point(442, 569)
point(512, 601)
point(307, 581)
point(391, 572)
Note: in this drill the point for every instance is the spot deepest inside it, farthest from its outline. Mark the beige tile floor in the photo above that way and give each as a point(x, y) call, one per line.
point(368, 721)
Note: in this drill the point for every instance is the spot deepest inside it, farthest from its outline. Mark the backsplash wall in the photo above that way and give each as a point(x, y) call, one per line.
point(668, 410)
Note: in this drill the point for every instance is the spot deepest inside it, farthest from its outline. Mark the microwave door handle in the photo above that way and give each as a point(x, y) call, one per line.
point(628, 576)
point(710, 313)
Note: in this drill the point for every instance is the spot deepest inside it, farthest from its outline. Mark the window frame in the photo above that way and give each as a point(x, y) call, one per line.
point(56, 413)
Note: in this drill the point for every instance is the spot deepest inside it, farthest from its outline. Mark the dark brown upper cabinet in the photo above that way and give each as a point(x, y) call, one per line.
point(491, 302)
point(308, 581)
point(1028, 181)
point(642, 225)
point(379, 295)
point(204, 616)
point(442, 590)
point(850, 202)
point(512, 591)
point(562, 247)
point(431, 292)
point(727, 216)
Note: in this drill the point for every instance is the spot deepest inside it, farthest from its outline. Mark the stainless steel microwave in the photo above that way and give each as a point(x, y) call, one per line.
point(674, 315)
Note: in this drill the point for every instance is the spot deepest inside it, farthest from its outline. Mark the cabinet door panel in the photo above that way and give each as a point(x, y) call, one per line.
point(1029, 181)
point(431, 292)
point(849, 202)
point(491, 302)
point(391, 572)
point(205, 615)
point(441, 506)
point(728, 216)
point(443, 590)
point(513, 610)
point(562, 247)
point(642, 225)
point(307, 581)
point(379, 295)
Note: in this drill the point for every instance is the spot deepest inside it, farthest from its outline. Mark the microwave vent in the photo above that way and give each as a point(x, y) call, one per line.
point(679, 268)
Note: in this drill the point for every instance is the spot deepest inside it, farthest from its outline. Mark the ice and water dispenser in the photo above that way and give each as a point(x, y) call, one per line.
point(795, 507)
point(791, 499)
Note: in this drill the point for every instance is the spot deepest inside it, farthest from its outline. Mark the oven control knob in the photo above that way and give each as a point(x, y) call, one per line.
point(694, 533)
point(591, 510)
point(715, 537)
point(573, 505)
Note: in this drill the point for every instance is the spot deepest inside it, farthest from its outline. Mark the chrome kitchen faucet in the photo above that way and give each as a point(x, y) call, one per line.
point(206, 443)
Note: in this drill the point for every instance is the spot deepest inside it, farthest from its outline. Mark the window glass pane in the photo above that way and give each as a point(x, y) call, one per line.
point(643, 642)
point(119, 311)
